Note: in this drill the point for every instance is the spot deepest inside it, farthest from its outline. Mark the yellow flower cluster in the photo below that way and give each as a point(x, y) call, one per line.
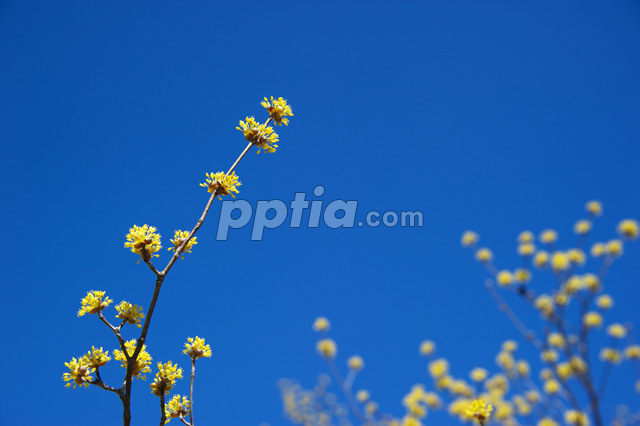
point(176, 407)
point(93, 303)
point(130, 314)
point(222, 184)
point(143, 240)
point(480, 410)
point(259, 134)
point(79, 372)
point(278, 109)
point(327, 348)
point(142, 362)
point(196, 348)
point(355, 363)
point(165, 378)
point(321, 325)
point(180, 236)
point(97, 357)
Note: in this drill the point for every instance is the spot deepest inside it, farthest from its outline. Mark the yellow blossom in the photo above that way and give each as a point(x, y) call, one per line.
point(604, 301)
point(222, 184)
point(142, 363)
point(546, 374)
point(616, 330)
point(522, 276)
point(591, 282)
point(551, 387)
point(179, 237)
point(598, 250)
point(143, 240)
point(548, 236)
point(196, 347)
point(549, 355)
point(556, 340)
point(592, 319)
point(594, 208)
point(632, 352)
point(259, 134)
point(480, 410)
point(629, 229)
point(533, 396)
point(355, 363)
point(522, 367)
point(478, 374)
point(484, 255)
point(560, 261)
point(615, 248)
point(582, 227)
point(408, 420)
point(363, 396)
point(578, 364)
point(576, 418)
point(577, 256)
point(573, 285)
point(541, 259)
point(321, 324)
point(427, 347)
point(526, 249)
point(525, 237)
point(547, 421)
point(165, 378)
point(432, 400)
point(176, 408)
point(504, 278)
point(438, 368)
point(92, 303)
point(505, 360)
point(611, 355)
point(509, 346)
point(79, 372)
point(371, 408)
point(469, 238)
point(278, 109)
point(327, 348)
point(544, 303)
point(97, 357)
point(130, 314)
point(564, 370)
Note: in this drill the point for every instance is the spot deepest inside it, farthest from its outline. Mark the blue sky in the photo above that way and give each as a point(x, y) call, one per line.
point(496, 116)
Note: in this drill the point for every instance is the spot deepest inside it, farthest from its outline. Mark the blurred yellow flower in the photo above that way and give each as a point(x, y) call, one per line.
point(327, 348)
point(582, 227)
point(604, 301)
point(548, 236)
point(525, 237)
point(629, 229)
point(427, 347)
point(321, 324)
point(484, 255)
point(504, 278)
point(438, 368)
point(469, 238)
point(594, 208)
point(616, 330)
point(355, 363)
point(592, 319)
point(541, 259)
point(478, 374)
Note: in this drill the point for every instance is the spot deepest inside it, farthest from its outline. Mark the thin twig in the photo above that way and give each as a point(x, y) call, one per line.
point(193, 376)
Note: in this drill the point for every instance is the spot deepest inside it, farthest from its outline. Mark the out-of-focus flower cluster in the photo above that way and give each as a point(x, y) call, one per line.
point(580, 343)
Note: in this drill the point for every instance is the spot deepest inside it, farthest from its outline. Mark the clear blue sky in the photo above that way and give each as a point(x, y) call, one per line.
point(496, 116)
